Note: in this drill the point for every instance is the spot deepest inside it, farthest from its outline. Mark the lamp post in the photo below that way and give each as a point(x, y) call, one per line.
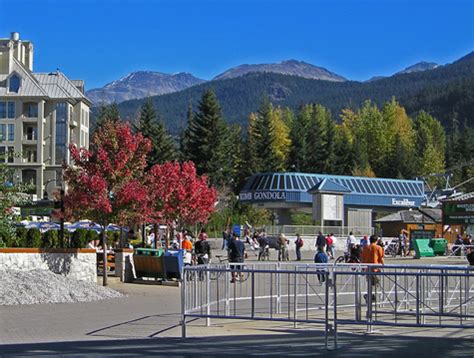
point(61, 207)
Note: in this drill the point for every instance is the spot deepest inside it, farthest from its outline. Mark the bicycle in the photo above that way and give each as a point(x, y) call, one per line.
point(347, 258)
point(214, 275)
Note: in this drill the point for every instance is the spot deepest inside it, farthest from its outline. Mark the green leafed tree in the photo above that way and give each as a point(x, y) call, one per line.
point(152, 127)
point(430, 145)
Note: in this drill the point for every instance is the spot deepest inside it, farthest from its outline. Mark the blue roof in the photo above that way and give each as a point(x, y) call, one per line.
point(328, 186)
point(362, 191)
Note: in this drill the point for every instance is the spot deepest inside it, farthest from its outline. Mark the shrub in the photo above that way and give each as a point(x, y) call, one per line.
point(79, 239)
point(92, 235)
point(112, 236)
point(33, 238)
point(51, 239)
point(20, 239)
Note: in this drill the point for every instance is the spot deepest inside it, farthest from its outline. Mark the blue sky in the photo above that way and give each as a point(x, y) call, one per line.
point(100, 41)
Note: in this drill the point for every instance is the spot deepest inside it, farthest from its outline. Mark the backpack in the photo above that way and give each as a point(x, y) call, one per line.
point(299, 242)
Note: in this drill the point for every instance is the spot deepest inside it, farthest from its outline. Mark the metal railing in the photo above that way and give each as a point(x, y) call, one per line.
point(310, 230)
point(330, 295)
point(459, 251)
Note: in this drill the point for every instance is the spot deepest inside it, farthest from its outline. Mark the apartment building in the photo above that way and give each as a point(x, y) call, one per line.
point(40, 115)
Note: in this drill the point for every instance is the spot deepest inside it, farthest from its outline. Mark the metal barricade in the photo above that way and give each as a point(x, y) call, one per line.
point(331, 295)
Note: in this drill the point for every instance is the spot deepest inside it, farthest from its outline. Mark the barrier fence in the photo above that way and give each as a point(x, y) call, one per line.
point(331, 296)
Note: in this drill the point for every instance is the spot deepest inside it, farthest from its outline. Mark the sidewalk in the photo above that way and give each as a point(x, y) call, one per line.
point(146, 322)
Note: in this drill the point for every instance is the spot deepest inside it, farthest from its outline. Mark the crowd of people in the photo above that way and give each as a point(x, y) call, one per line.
point(364, 249)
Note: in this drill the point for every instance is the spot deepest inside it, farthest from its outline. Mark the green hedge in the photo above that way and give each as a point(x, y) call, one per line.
point(33, 238)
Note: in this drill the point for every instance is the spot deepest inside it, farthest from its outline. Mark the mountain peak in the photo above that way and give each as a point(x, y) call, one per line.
point(139, 84)
point(418, 67)
point(290, 67)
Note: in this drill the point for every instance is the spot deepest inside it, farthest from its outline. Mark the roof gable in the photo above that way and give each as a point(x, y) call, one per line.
point(328, 186)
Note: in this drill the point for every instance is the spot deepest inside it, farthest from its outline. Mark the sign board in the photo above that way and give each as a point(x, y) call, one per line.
point(263, 196)
point(458, 213)
point(332, 208)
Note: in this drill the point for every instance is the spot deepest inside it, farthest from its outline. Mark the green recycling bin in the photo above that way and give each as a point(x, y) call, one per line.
point(148, 252)
point(423, 249)
point(439, 246)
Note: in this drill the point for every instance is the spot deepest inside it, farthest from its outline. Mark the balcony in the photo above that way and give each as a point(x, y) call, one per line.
point(26, 119)
point(30, 138)
point(72, 123)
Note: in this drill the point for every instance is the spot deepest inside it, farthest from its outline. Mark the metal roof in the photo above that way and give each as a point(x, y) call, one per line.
point(30, 87)
point(363, 191)
point(53, 85)
point(413, 217)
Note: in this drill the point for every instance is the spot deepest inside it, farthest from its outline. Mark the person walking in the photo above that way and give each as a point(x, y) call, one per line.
point(283, 244)
point(321, 258)
point(298, 245)
point(202, 249)
point(351, 242)
point(320, 241)
point(330, 245)
point(373, 254)
point(236, 255)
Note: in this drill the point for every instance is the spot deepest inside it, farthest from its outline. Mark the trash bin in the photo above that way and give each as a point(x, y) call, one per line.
point(149, 263)
point(173, 262)
point(148, 252)
point(439, 246)
point(423, 249)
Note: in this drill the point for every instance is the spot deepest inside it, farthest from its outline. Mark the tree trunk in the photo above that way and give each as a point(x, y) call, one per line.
point(104, 258)
point(155, 231)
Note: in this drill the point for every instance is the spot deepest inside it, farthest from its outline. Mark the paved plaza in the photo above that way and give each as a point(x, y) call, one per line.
point(146, 322)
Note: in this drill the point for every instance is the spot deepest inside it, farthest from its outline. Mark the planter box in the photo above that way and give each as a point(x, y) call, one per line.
point(79, 264)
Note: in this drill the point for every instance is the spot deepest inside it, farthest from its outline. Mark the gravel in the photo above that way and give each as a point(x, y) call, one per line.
point(43, 286)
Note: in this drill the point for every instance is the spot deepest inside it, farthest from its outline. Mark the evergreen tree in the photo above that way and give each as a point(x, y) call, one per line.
point(317, 140)
point(205, 138)
point(344, 160)
point(298, 130)
point(108, 112)
point(163, 148)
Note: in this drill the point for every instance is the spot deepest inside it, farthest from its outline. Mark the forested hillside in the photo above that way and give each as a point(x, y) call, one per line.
point(439, 91)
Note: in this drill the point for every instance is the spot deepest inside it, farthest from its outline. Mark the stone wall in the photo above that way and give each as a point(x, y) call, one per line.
point(79, 264)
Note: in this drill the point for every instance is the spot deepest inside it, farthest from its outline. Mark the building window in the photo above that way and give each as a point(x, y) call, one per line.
point(11, 154)
point(14, 83)
point(31, 110)
point(28, 176)
point(3, 132)
point(61, 132)
point(11, 132)
point(3, 157)
point(11, 110)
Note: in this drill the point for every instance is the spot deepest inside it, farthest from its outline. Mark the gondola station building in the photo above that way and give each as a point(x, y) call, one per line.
point(333, 200)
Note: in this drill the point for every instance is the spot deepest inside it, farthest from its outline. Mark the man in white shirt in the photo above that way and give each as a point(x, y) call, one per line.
point(351, 242)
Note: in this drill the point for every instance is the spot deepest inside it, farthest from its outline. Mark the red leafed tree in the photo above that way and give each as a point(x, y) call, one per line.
point(106, 183)
point(178, 195)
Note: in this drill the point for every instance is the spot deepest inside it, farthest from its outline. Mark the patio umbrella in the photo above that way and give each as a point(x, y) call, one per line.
point(83, 224)
point(115, 228)
point(43, 226)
